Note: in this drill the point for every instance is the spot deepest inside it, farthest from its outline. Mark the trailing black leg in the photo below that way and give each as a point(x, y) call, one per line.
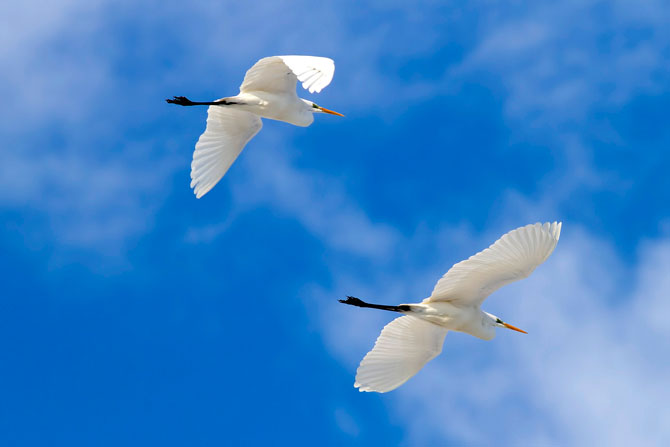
point(184, 101)
point(353, 301)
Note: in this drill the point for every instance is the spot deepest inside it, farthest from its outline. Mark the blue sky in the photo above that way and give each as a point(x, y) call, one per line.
point(134, 314)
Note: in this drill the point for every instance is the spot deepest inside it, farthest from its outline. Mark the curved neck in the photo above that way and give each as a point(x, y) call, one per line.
point(484, 326)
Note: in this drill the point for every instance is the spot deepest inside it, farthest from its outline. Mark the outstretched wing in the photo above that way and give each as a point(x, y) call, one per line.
point(279, 74)
point(405, 345)
point(228, 131)
point(511, 258)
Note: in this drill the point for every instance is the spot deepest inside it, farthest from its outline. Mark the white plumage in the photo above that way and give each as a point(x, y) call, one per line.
point(512, 257)
point(407, 343)
point(268, 91)
point(227, 132)
point(279, 74)
point(404, 346)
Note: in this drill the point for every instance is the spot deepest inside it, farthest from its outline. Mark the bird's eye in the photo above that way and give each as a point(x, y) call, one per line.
point(498, 320)
point(315, 106)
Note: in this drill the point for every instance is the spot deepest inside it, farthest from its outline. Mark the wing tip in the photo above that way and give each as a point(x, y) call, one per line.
point(199, 190)
point(366, 388)
point(314, 82)
point(553, 228)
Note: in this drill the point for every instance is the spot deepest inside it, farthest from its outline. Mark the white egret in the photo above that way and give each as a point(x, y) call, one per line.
point(268, 91)
point(407, 343)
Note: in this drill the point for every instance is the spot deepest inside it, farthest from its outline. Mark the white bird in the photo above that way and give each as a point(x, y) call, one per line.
point(407, 343)
point(268, 91)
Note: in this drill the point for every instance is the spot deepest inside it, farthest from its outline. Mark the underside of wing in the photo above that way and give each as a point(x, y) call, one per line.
point(279, 74)
point(511, 258)
point(315, 73)
point(405, 345)
point(227, 132)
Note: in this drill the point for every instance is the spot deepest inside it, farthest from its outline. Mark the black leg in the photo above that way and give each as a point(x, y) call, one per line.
point(184, 101)
point(353, 301)
point(180, 100)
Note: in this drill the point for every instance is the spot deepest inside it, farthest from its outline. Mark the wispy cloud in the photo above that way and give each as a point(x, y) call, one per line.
point(558, 61)
point(69, 157)
point(267, 177)
point(319, 202)
point(589, 371)
point(77, 154)
point(592, 370)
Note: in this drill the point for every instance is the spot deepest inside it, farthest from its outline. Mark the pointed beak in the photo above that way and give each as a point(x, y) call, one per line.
point(509, 326)
point(332, 112)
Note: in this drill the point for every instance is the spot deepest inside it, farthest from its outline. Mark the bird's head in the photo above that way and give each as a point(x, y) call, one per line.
point(495, 321)
point(314, 108)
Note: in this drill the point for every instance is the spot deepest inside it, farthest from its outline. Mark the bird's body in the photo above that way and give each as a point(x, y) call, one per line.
point(468, 319)
point(268, 91)
point(285, 107)
point(407, 343)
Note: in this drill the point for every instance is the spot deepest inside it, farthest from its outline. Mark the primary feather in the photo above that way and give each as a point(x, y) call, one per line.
point(405, 345)
point(512, 257)
point(279, 74)
point(227, 132)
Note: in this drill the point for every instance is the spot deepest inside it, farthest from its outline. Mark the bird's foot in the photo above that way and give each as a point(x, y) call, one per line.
point(180, 100)
point(352, 300)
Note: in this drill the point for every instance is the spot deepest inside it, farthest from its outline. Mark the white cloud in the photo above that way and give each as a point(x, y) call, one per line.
point(71, 108)
point(62, 64)
point(593, 355)
point(68, 159)
point(319, 202)
point(579, 368)
point(87, 201)
point(558, 60)
point(592, 370)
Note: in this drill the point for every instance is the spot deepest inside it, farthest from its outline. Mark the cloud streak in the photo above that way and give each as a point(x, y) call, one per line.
point(560, 61)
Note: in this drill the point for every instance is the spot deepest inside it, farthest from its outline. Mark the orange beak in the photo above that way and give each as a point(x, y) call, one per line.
point(509, 326)
point(332, 112)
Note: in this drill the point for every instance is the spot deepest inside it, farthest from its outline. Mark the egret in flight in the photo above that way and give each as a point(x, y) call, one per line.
point(407, 343)
point(268, 91)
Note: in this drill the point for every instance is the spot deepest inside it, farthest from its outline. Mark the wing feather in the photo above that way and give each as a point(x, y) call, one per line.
point(279, 74)
point(511, 258)
point(404, 346)
point(228, 131)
